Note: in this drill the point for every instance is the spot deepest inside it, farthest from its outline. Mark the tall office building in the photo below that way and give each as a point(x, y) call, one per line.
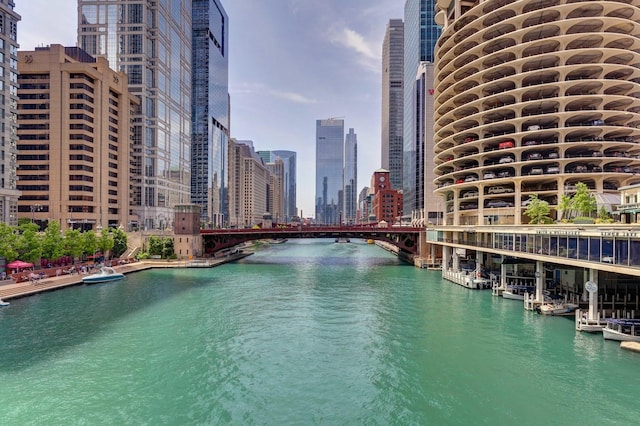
point(74, 139)
point(210, 127)
point(275, 190)
point(350, 177)
point(531, 102)
point(289, 183)
point(248, 183)
point(329, 171)
point(151, 43)
point(420, 36)
point(8, 123)
point(393, 100)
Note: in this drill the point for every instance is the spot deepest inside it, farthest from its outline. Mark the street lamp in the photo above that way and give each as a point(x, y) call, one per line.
point(35, 208)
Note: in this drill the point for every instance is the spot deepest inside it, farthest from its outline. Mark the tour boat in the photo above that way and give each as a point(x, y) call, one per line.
point(624, 330)
point(104, 275)
point(517, 292)
point(3, 303)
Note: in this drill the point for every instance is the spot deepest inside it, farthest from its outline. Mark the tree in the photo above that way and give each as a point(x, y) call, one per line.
point(583, 201)
point(119, 242)
point(565, 206)
point(29, 245)
point(89, 243)
point(155, 246)
point(538, 210)
point(167, 247)
point(105, 241)
point(8, 242)
point(73, 243)
point(53, 241)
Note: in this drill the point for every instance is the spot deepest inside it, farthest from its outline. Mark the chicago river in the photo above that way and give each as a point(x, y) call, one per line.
point(307, 332)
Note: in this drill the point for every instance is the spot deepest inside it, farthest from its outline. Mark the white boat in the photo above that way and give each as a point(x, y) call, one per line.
point(624, 330)
point(342, 240)
point(3, 303)
point(277, 241)
point(104, 275)
point(517, 292)
point(557, 308)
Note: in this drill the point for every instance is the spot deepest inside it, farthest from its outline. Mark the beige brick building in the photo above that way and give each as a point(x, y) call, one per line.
point(75, 130)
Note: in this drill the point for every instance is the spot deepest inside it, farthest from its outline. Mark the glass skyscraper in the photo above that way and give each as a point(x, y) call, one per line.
point(420, 36)
point(329, 171)
point(210, 127)
point(350, 177)
point(151, 42)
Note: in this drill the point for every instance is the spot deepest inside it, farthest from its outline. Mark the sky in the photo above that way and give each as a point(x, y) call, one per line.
point(291, 62)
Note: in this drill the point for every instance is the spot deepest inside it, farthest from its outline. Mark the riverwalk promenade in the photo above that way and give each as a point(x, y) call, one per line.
point(9, 289)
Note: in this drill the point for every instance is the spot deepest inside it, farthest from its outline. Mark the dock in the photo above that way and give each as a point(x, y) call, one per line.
point(631, 346)
point(12, 290)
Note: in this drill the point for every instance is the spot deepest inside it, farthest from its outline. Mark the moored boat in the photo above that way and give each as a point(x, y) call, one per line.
point(623, 330)
point(104, 275)
point(557, 308)
point(3, 303)
point(517, 292)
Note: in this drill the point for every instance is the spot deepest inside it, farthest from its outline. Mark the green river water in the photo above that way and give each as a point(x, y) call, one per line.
point(303, 333)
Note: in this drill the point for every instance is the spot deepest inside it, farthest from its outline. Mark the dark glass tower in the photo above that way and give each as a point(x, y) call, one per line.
point(210, 115)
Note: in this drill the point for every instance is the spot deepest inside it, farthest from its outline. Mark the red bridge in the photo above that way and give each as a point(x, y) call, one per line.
point(406, 239)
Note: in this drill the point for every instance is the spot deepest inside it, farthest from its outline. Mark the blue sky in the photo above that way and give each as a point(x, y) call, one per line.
point(290, 62)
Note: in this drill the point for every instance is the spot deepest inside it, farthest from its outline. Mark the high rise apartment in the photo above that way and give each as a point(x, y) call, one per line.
point(150, 42)
point(8, 123)
point(350, 177)
point(393, 100)
point(210, 127)
point(290, 183)
point(75, 135)
point(248, 183)
point(275, 190)
point(530, 99)
point(420, 36)
point(329, 171)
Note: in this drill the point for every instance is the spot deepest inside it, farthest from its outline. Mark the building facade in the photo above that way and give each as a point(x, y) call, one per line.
point(289, 159)
point(74, 115)
point(420, 36)
point(210, 96)
point(393, 100)
point(329, 171)
point(150, 42)
point(386, 201)
point(532, 103)
point(275, 199)
point(350, 177)
point(248, 183)
point(8, 119)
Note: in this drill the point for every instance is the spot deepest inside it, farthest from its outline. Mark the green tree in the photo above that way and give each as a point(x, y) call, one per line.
point(538, 210)
point(583, 200)
point(167, 247)
point(89, 243)
point(105, 241)
point(155, 246)
point(565, 206)
point(73, 243)
point(8, 242)
point(29, 244)
point(119, 242)
point(52, 242)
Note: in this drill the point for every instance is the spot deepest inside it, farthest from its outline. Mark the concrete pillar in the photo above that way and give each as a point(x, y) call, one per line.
point(593, 296)
point(503, 274)
point(456, 261)
point(446, 255)
point(539, 282)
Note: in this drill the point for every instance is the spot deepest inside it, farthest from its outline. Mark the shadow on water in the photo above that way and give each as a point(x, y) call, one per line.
point(43, 325)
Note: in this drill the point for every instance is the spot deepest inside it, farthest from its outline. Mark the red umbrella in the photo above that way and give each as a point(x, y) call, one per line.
point(18, 264)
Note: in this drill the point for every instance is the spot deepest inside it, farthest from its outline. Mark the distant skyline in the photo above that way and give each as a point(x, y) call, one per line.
point(291, 62)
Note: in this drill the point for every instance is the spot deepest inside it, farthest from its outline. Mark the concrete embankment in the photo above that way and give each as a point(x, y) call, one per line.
point(630, 346)
point(11, 290)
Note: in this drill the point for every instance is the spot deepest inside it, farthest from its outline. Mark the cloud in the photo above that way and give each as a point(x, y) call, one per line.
point(366, 55)
point(264, 90)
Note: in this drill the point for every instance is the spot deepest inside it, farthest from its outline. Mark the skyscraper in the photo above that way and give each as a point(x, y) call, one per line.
point(151, 43)
point(210, 127)
point(392, 100)
point(420, 36)
point(289, 184)
point(329, 170)
point(8, 120)
point(350, 177)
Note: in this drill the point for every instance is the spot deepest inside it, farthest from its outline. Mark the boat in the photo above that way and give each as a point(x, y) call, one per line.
point(104, 275)
point(557, 308)
point(3, 303)
point(623, 330)
point(342, 240)
point(277, 241)
point(517, 292)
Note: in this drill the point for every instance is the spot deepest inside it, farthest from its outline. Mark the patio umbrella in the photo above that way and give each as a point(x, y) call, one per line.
point(18, 264)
